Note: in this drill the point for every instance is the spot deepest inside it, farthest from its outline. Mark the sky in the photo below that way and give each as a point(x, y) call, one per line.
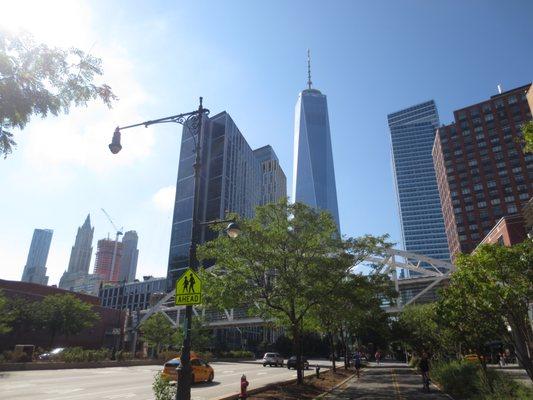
point(248, 58)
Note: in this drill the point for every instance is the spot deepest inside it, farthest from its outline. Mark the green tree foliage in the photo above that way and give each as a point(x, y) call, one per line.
point(288, 258)
point(5, 318)
point(492, 286)
point(527, 130)
point(37, 80)
point(419, 330)
point(158, 332)
point(65, 314)
point(25, 316)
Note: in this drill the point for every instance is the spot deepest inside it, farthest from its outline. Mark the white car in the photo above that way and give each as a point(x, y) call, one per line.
point(272, 359)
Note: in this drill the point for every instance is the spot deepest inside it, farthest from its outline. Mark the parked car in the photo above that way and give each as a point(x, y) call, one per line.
point(52, 353)
point(201, 370)
point(291, 362)
point(272, 359)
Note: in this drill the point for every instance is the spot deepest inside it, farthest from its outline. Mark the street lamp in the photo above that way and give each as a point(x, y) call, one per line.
point(193, 121)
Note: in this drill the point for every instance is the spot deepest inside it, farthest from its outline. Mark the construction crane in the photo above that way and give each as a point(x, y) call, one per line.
point(118, 232)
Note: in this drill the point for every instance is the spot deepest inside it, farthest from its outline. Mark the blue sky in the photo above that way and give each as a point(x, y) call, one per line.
point(249, 58)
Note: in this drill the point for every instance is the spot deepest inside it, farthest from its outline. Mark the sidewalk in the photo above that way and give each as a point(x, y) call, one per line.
point(386, 381)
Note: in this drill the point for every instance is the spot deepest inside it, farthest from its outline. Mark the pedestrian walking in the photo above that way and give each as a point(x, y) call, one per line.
point(357, 362)
point(378, 357)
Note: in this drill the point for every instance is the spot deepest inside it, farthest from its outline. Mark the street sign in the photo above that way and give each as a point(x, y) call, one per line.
point(189, 289)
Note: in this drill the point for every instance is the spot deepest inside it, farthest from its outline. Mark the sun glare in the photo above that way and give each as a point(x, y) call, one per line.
point(54, 22)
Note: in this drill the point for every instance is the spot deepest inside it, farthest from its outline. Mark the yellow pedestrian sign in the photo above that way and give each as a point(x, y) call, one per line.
point(189, 289)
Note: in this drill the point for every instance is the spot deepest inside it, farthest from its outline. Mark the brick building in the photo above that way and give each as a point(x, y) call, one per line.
point(482, 172)
point(508, 231)
point(99, 335)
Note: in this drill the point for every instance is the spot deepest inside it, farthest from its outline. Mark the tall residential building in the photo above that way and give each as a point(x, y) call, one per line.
point(273, 180)
point(104, 260)
point(230, 181)
point(482, 172)
point(80, 256)
point(35, 268)
point(313, 172)
point(130, 255)
point(412, 133)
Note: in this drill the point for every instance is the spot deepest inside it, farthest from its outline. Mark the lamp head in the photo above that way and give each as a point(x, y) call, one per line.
point(233, 230)
point(115, 145)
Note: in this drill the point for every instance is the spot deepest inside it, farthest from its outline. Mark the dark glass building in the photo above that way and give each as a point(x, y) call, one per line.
point(412, 132)
point(231, 181)
point(482, 172)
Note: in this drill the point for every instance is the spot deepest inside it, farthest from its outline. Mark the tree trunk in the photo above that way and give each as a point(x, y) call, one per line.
point(296, 335)
point(344, 347)
point(485, 371)
point(523, 345)
point(332, 352)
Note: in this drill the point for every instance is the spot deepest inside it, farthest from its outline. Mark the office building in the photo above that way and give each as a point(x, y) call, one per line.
point(80, 256)
point(313, 171)
point(130, 255)
point(133, 295)
point(482, 172)
point(412, 132)
point(273, 180)
point(35, 268)
point(104, 260)
point(230, 181)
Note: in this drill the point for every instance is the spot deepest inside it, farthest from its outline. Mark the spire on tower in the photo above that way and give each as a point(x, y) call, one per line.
point(309, 83)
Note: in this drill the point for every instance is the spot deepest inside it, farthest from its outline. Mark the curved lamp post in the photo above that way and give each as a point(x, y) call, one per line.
point(194, 122)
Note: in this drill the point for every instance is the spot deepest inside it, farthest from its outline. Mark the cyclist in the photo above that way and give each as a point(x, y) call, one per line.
point(423, 365)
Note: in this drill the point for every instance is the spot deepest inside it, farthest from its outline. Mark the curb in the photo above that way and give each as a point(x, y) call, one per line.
point(321, 396)
point(40, 366)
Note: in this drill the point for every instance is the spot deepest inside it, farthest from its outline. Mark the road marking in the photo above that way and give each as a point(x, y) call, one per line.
point(262, 373)
point(62, 391)
point(396, 386)
point(228, 372)
point(120, 396)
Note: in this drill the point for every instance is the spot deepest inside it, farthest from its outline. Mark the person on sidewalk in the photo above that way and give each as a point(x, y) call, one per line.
point(378, 357)
point(357, 362)
point(423, 366)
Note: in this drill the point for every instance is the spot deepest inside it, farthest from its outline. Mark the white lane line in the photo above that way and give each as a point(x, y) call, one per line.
point(62, 391)
point(228, 372)
point(262, 373)
point(120, 396)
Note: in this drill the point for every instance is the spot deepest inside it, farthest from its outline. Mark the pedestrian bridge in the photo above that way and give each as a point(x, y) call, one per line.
point(415, 277)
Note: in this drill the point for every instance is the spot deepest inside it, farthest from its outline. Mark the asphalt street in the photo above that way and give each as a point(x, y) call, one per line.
point(133, 383)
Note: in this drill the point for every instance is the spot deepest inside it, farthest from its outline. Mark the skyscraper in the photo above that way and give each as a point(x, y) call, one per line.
point(104, 260)
point(273, 180)
point(80, 256)
point(35, 268)
point(130, 254)
point(412, 133)
point(483, 174)
point(314, 175)
point(230, 181)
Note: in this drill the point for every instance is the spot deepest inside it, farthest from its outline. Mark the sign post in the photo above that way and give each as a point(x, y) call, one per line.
point(189, 289)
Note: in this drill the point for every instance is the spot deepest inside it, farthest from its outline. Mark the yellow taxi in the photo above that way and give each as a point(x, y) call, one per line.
point(201, 370)
point(472, 358)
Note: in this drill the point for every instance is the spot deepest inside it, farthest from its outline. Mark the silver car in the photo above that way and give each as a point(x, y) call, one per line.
point(272, 359)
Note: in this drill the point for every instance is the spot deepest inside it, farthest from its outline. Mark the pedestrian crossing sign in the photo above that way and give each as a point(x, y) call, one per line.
point(188, 289)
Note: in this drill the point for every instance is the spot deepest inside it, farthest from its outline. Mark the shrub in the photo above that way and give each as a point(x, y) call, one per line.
point(162, 388)
point(77, 354)
point(236, 354)
point(465, 381)
point(166, 355)
point(460, 380)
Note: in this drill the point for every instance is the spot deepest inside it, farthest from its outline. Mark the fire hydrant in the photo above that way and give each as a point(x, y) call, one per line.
point(244, 387)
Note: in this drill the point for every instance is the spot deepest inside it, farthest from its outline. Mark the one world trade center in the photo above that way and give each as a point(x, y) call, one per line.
point(313, 173)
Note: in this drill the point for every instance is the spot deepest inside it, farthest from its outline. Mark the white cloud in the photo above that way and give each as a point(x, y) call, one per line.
point(163, 199)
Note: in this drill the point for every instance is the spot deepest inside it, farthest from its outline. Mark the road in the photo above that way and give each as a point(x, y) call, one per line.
point(131, 383)
point(386, 381)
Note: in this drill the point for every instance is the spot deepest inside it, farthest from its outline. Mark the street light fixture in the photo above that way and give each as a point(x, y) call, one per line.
point(193, 121)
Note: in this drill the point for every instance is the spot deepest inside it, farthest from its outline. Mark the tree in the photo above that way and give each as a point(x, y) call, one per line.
point(287, 258)
point(157, 331)
point(37, 80)
point(497, 282)
point(65, 314)
point(527, 130)
point(5, 318)
point(25, 316)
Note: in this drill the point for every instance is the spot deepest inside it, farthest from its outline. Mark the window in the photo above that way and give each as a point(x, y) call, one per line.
point(512, 99)
point(489, 117)
point(478, 187)
point(523, 196)
point(495, 201)
point(509, 199)
point(466, 191)
point(511, 208)
point(482, 204)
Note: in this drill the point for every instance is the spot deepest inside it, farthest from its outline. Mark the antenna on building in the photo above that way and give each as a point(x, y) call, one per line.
point(499, 88)
point(309, 83)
